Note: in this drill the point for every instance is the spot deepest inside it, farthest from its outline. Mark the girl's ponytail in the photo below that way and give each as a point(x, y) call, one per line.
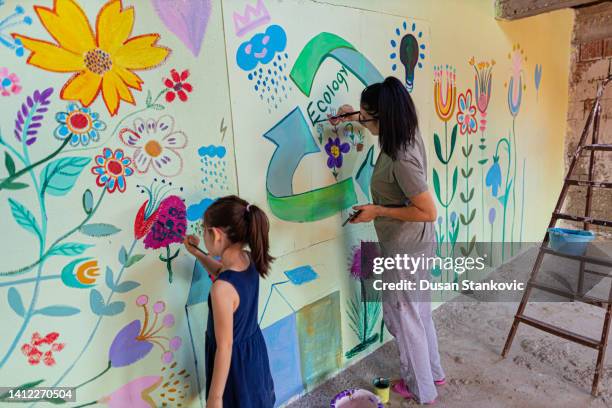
point(244, 223)
point(258, 228)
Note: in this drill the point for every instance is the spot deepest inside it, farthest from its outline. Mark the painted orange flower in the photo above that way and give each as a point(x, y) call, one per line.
point(104, 62)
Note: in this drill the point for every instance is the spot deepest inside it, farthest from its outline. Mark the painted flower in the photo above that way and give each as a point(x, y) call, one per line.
point(177, 86)
point(492, 215)
point(9, 83)
point(17, 18)
point(135, 394)
point(453, 217)
point(516, 85)
point(103, 61)
point(494, 176)
point(445, 90)
point(135, 340)
point(483, 81)
point(466, 114)
point(170, 225)
point(33, 352)
point(112, 169)
point(156, 145)
point(80, 124)
point(335, 149)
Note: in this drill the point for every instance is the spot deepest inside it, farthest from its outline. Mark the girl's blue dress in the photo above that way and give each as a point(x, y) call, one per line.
point(249, 382)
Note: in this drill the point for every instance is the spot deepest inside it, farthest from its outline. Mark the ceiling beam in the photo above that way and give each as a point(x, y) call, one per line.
point(515, 9)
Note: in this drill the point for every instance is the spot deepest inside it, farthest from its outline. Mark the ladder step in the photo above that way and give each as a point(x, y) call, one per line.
point(560, 292)
point(596, 260)
point(600, 147)
point(586, 183)
point(588, 220)
point(557, 331)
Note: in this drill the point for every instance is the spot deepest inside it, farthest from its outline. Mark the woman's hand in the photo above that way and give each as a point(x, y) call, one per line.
point(367, 214)
point(214, 402)
point(191, 242)
point(342, 110)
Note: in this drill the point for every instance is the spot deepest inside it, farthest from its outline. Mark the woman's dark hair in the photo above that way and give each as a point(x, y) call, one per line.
point(243, 223)
point(391, 104)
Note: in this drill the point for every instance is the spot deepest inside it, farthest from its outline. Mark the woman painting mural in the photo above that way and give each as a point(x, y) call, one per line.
point(403, 213)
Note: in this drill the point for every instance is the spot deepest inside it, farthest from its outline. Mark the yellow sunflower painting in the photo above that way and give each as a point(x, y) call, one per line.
point(102, 62)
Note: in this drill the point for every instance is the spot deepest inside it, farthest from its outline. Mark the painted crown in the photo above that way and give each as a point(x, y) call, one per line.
point(253, 17)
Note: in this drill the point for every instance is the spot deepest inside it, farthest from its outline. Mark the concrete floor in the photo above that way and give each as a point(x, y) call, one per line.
point(540, 371)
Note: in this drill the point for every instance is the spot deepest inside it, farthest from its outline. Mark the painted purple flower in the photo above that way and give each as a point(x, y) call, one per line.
point(335, 149)
point(440, 220)
point(367, 251)
point(491, 215)
point(30, 116)
point(134, 341)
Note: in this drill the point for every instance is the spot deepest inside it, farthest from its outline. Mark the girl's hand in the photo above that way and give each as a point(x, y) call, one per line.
point(214, 402)
point(368, 213)
point(191, 242)
point(342, 110)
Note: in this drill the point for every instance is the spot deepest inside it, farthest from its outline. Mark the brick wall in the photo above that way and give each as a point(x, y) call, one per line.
point(591, 61)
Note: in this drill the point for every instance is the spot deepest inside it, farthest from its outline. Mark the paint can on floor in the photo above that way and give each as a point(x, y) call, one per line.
point(381, 388)
point(356, 398)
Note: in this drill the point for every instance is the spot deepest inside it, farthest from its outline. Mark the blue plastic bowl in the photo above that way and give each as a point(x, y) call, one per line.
point(570, 241)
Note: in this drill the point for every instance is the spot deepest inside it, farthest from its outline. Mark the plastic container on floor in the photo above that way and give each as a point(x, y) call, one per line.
point(570, 241)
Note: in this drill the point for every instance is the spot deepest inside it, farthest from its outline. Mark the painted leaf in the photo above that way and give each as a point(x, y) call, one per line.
point(24, 217)
point(114, 308)
point(483, 161)
point(87, 201)
point(108, 278)
point(58, 310)
point(123, 256)
point(133, 259)
point(9, 163)
point(455, 179)
point(15, 186)
point(126, 286)
point(24, 386)
point(438, 148)
point(14, 300)
point(453, 141)
point(59, 176)
point(99, 230)
point(436, 183)
point(69, 249)
point(96, 302)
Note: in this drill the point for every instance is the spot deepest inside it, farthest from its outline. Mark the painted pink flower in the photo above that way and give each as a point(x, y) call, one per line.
point(135, 394)
point(156, 144)
point(170, 225)
point(466, 114)
point(9, 83)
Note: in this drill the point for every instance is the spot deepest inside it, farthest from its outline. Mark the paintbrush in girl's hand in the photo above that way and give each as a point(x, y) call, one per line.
point(336, 117)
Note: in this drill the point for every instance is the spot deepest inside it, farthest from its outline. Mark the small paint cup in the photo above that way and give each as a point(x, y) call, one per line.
point(381, 388)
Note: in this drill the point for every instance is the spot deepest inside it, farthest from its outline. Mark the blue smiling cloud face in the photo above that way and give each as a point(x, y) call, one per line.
point(261, 48)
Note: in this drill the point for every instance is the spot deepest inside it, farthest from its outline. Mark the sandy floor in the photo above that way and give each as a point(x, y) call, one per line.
point(540, 371)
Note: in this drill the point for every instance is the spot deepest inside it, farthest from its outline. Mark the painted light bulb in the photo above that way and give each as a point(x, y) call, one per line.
point(409, 56)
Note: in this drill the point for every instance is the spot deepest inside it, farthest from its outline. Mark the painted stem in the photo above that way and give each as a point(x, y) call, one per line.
point(29, 280)
point(365, 310)
point(97, 325)
point(522, 203)
point(84, 405)
point(126, 117)
point(513, 184)
point(505, 203)
point(108, 367)
point(30, 167)
point(447, 158)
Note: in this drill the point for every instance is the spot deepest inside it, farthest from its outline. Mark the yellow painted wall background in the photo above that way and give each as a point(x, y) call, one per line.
point(122, 120)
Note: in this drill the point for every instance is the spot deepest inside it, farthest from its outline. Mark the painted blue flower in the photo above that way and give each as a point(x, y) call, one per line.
point(80, 124)
point(494, 176)
point(453, 217)
point(491, 215)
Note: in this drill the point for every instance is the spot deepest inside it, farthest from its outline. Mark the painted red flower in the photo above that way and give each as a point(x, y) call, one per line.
point(33, 350)
point(177, 86)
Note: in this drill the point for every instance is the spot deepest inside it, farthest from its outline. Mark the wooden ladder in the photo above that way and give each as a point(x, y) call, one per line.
point(597, 344)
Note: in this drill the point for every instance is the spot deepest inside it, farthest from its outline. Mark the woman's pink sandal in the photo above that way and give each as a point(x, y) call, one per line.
point(400, 388)
point(440, 382)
